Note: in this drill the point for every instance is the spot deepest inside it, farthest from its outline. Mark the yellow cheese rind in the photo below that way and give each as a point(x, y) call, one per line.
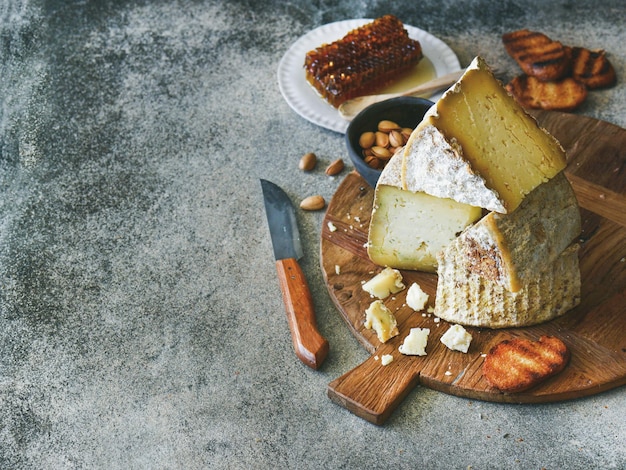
point(511, 248)
point(466, 298)
point(491, 143)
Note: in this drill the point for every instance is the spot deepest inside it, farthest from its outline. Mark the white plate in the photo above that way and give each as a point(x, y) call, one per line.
point(305, 101)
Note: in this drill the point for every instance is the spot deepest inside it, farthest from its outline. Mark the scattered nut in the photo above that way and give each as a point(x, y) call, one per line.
point(307, 162)
point(335, 167)
point(313, 203)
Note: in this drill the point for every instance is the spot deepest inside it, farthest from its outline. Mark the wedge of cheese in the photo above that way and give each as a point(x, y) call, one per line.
point(467, 298)
point(408, 229)
point(509, 249)
point(479, 147)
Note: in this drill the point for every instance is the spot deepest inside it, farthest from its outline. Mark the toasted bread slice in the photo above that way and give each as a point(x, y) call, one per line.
point(538, 55)
point(563, 95)
point(592, 68)
point(519, 364)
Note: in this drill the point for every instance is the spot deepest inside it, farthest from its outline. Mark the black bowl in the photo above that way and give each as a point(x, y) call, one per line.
point(407, 111)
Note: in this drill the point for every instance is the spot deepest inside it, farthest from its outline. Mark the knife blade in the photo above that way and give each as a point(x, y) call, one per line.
point(310, 346)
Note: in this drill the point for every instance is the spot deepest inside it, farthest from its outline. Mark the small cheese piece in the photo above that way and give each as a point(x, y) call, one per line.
point(467, 298)
point(415, 343)
point(478, 146)
point(379, 318)
point(457, 338)
point(510, 249)
point(408, 229)
point(386, 359)
point(385, 283)
point(416, 298)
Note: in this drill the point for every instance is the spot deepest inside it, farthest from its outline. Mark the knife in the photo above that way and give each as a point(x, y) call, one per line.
point(310, 346)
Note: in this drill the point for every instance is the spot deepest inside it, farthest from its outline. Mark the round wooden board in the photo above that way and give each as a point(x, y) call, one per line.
point(594, 331)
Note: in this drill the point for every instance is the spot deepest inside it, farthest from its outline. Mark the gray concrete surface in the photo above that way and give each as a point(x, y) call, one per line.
point(141, 324)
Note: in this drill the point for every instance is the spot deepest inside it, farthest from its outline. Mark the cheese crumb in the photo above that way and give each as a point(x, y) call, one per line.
point(457, 338)
point(385, 283)
point(337, 269)
point(379, 318)
point(416, 298)
point(386, 359)
point(415, 343)
point(332, 227)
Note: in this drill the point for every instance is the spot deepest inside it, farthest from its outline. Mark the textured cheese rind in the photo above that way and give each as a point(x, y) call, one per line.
point(436, 166)
point(468, 299)
point(511, 248)
point(480, 146)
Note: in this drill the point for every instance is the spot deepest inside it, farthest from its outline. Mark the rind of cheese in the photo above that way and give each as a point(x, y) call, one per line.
point(416, 298)
point(510, 249)
point(379, 318)
point(478, 146)
point(436, 166)
point(457, 338)
point(469, 299)
point(385, 283)
point(415, 342)
point(407, 229)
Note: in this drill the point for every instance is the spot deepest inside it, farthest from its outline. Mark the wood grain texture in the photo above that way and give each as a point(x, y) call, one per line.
point(309, 345)
point(594, 331)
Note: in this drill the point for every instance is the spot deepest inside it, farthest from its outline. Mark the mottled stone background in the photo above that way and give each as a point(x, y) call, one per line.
point(141, 324)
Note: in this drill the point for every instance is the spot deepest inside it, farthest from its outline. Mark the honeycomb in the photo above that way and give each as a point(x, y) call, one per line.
point(363, 61)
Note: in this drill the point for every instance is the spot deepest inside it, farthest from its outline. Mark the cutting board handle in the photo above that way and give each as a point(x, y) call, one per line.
point(372, 391)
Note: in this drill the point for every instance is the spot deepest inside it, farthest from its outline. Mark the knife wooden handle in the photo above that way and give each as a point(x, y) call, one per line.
point(310, 346)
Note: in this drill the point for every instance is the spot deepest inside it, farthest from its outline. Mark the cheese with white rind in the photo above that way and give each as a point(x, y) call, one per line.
point(385, 283)
point(415, 343)
point(407, 229)
point(478, 146)
point(436, 166)
point(467, 298)
point(382, 320)
point(457, 339)
point(510, 249)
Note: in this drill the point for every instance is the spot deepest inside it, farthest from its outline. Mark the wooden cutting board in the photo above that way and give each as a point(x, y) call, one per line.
point(595, 331)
